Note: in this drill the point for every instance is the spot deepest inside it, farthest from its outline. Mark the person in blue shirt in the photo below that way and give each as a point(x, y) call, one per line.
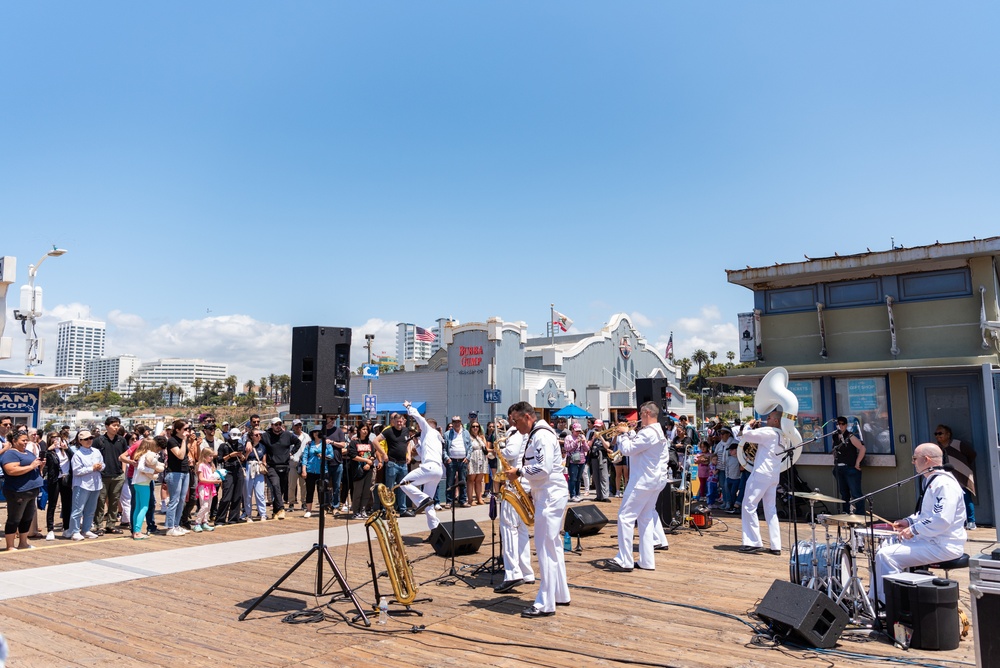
point(312, 468)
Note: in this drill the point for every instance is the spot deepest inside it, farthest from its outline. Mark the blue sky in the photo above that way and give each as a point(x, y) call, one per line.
point(221, 172)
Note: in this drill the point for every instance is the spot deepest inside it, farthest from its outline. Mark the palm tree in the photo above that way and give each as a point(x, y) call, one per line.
point(284, 383)
point(730, 356)
point(700, 358)
point(713, 355)
point(231, 384)
point(263, 387)
point(272, 382)
point(685, 365)
point(197, 385)
point(248, 386)
point(171, 390)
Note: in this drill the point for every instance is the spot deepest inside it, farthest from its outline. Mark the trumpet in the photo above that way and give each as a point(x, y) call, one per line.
point(614, 429)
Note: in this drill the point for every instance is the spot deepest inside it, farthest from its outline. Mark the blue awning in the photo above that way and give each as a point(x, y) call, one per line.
point(391, 407)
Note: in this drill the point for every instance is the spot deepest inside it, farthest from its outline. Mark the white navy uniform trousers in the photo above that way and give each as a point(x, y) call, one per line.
point(938, 532)
point(428, 474)
point(644, 450)
point(762, 486)
point(544, 470)
point(514, 536)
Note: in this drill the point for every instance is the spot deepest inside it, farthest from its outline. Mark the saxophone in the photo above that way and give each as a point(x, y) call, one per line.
point(404, 587)
point(514, 494)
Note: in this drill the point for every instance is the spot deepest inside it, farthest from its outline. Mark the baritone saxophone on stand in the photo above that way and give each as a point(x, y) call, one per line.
point(404, 586)
point(514, 494)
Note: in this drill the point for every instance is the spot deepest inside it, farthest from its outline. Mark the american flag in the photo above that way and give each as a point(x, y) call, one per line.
point(561, 321)
point(421, 334)
point(670, 346)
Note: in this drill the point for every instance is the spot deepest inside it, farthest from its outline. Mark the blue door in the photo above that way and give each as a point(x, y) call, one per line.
point(956, 400)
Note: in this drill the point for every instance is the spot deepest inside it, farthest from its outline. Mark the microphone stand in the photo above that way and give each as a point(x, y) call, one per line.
point(793, 514)
point(452, 573)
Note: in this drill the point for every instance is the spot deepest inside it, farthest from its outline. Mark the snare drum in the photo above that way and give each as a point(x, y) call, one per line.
point(837, 554)
point(870, 540)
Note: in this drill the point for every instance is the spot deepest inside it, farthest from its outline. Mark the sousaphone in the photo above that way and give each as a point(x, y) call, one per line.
point(771, 393)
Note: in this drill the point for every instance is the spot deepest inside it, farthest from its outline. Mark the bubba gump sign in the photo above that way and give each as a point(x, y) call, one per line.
point(470, 355)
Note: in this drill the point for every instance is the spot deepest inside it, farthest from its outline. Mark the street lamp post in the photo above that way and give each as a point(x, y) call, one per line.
point(32, 303)
point(368, 344)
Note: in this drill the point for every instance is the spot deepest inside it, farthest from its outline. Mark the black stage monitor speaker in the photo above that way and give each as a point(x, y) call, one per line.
point(321, 370)
point(805, 615)
point(468, 538)
point(655, 390)
point(926, 605)
point(584, 520)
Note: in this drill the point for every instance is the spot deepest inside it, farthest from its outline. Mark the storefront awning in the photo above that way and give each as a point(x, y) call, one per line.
point(751, 377)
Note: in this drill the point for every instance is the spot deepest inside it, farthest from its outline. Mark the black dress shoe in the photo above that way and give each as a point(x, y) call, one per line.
point(661, 548)
point(407, 513)
point(566, 604)
point(750, 549)
point(429, 501)
point(644, 569)
point(507, 585)
point(615, 567)
point(776, 553)
point(535, 612)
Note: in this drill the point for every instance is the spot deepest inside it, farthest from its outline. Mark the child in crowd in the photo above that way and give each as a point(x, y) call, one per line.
point(207, 482)
point(733, 473)
point(713, 481)
point(147, 467)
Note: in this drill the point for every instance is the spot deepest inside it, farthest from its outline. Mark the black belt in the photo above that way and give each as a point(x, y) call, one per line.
point(398, 461)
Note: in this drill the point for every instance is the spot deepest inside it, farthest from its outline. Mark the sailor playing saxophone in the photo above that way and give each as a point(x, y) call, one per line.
point(542, 466)
point(514, 538)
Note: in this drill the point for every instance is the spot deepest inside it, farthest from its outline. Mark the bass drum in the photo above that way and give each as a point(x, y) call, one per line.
point(800, 564)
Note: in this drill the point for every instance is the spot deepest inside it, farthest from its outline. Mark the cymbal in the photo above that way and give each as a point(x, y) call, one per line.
point(816, 496)
point(847, 519)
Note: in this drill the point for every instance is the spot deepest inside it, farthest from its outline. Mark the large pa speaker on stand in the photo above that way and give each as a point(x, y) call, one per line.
point(805, 615)
point(321, 370)
point(656, 390)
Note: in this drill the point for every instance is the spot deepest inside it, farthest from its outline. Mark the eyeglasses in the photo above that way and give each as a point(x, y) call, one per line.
point(939, 433)
point(87, 439)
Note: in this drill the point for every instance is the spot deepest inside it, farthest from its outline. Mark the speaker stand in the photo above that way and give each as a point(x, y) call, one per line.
point(452, 576)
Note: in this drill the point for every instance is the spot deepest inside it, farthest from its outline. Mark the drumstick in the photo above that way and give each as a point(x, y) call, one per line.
point(878, 517)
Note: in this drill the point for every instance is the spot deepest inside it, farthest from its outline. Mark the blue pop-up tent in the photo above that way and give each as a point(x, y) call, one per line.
point(572, 411)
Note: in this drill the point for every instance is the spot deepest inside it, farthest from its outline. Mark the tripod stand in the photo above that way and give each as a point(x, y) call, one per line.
point(452, 573)
point(322, 554)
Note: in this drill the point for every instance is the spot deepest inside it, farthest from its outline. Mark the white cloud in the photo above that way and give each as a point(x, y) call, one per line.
point(640, 320)
point(251, 348)
point(707, 331)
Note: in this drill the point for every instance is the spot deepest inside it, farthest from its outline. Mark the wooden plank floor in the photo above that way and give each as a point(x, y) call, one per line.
point(695, 612)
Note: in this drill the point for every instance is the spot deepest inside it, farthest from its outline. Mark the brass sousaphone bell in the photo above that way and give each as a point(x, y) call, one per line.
point(773, 392)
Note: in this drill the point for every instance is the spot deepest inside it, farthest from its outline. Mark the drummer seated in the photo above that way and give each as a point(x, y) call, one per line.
point(935, 533)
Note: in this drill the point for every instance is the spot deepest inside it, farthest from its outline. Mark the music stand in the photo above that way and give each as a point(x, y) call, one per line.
point(452, 573)
point(322, 553)
point(494, 564)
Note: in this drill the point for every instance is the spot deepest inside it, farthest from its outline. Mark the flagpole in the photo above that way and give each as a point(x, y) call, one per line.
point(552, 325)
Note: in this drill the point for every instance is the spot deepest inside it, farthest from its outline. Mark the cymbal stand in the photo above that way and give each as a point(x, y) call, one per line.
point(815, 581)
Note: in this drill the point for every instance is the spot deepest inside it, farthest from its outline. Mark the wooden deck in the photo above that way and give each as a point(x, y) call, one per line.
point(692, 611)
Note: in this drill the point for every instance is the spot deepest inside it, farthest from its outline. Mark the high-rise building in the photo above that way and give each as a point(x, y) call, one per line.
point(79, 342)
point(417, 343)
point(179, 372)
point(113, 372)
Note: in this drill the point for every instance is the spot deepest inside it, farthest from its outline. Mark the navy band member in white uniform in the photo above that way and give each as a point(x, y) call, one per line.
point(514, 537)
point(936, 532)
point(542, 466)
point(646, 478)
point(762, 484)
point(429, 474)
